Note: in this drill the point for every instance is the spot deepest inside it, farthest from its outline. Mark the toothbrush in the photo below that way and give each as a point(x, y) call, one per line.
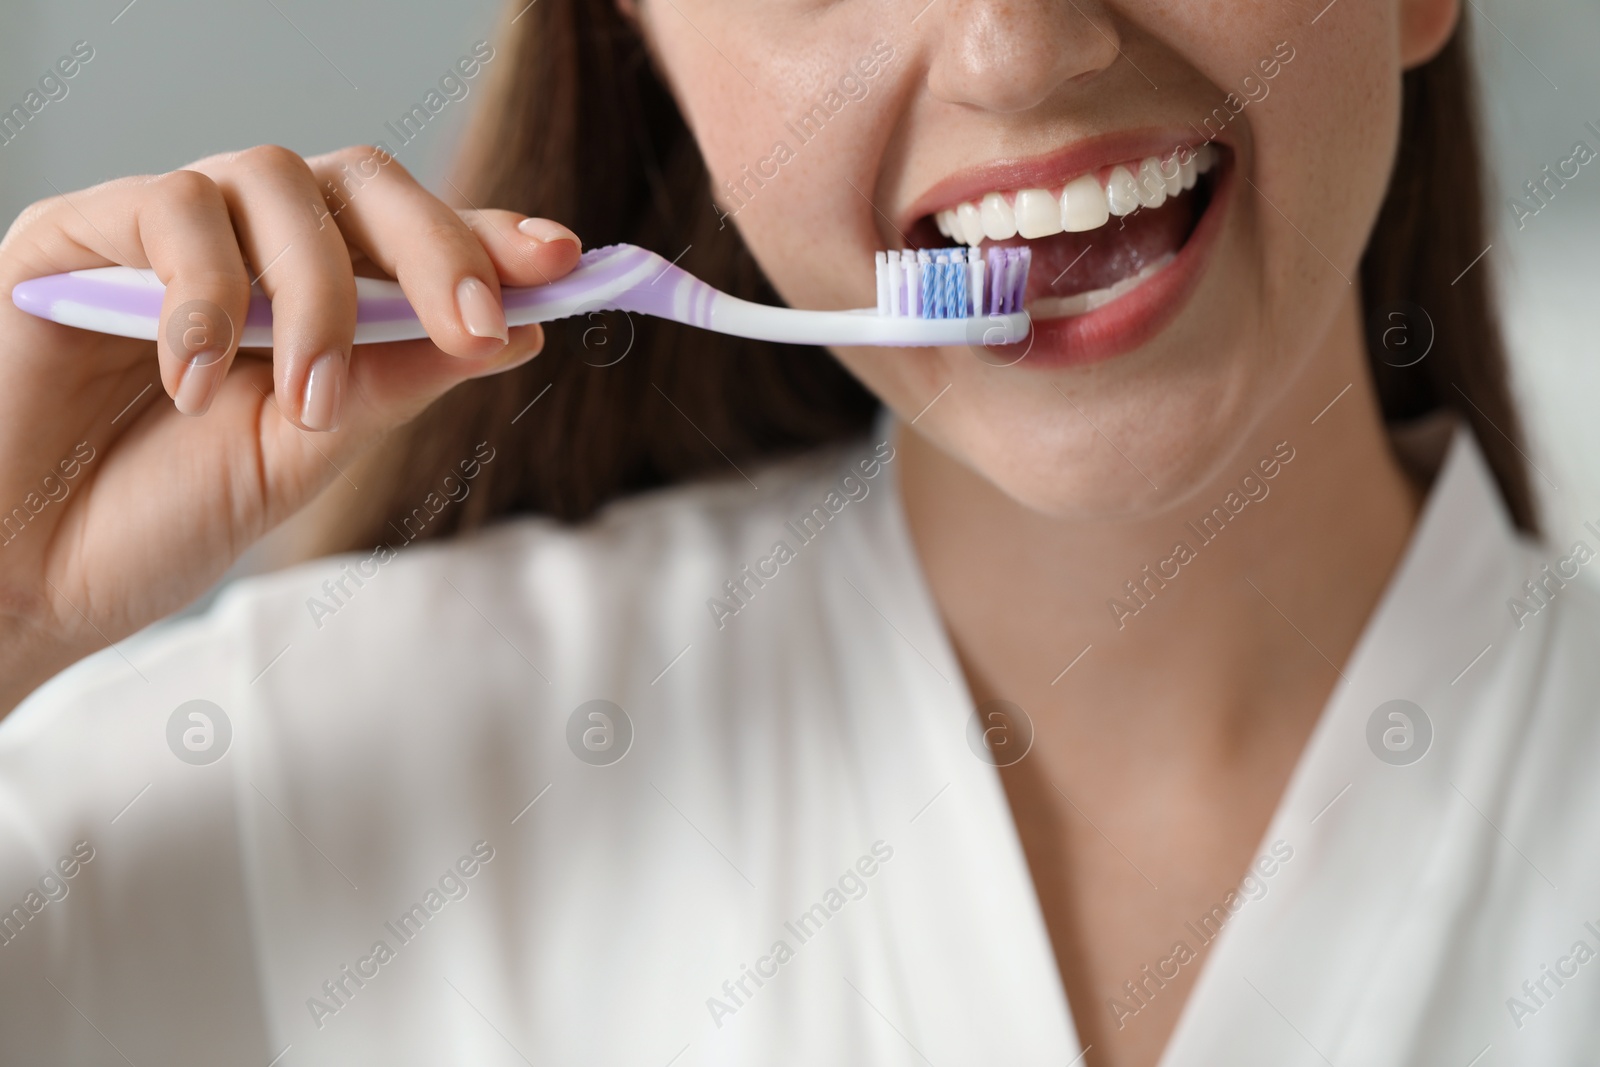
point(926, 297)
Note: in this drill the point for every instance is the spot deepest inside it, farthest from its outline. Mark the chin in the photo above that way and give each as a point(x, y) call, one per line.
point(1059, 466)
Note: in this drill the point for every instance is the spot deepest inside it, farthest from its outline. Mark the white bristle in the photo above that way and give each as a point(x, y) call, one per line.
point(913, 284)
point(896, 285)
point(974, 283)
point(881, 262)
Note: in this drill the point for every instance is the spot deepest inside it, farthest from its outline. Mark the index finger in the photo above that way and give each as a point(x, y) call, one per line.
point(177, 225)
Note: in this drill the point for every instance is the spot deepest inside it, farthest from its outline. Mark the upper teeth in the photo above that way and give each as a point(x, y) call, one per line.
point(1082, 204)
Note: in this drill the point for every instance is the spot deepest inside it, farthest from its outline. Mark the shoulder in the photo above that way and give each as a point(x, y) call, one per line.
point(1555, 602)
point(1568, 606)
point(1544, 727)
point(1551, 636)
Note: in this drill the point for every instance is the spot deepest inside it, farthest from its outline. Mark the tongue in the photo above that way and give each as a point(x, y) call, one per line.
point(1071, 263)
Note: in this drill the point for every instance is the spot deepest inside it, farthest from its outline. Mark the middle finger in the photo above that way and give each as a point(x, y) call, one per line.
point(302, 264)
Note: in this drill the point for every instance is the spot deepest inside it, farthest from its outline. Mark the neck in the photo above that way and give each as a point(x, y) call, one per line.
point(1228, 613)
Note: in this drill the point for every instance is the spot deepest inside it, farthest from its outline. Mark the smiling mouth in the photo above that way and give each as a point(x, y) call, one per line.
point(1096, 238)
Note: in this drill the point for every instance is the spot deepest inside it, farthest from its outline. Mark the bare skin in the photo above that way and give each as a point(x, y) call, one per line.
point(1032, 494)
point(1159, 758)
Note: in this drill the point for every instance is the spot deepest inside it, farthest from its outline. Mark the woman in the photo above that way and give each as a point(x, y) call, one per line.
point(1151, 697)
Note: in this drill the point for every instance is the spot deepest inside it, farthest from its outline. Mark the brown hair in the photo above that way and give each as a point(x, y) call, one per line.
point(1430, 231)
point(578, 127)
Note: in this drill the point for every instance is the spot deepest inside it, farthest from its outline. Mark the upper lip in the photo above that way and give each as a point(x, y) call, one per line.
point(1050, 170)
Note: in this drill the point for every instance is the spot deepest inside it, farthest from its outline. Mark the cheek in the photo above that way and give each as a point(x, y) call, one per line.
point(727, 119)
point(1325, 142)
point(1320, 143)
point(733, 120)
point(786, 150)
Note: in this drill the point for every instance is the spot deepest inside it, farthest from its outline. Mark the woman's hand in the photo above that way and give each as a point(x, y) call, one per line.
point(119, 504)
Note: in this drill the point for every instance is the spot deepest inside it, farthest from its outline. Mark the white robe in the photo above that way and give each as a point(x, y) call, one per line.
point(799, 774)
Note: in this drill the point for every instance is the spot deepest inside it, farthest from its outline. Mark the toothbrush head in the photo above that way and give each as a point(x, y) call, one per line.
point(952, 283)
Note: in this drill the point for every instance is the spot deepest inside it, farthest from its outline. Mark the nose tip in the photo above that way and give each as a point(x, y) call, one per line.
point(1013, 55)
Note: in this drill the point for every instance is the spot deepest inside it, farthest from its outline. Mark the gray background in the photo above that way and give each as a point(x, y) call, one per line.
point(173, 80)
point(176, 79)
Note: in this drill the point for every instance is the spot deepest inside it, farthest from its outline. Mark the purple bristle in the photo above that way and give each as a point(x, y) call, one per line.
point(996, 274)
point(1007, 271)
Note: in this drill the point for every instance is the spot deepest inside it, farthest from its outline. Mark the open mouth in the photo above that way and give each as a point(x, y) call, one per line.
point(1098, 237)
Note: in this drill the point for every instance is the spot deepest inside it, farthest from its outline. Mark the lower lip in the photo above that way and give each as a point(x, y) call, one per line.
point(1136, 317)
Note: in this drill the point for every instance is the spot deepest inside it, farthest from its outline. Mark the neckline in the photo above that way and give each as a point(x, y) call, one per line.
point(1463, 528)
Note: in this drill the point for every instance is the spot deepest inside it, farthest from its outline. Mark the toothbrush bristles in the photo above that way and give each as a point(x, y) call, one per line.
point(952, 283)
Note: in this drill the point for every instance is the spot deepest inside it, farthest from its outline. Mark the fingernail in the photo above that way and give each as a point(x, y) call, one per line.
point(201, 376)
point(319, 403)
point(548, 231)
point(513, 355)
point(480, 311)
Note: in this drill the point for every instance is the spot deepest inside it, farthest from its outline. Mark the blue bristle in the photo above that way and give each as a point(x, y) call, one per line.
point(944, 286)
point(950, 267)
